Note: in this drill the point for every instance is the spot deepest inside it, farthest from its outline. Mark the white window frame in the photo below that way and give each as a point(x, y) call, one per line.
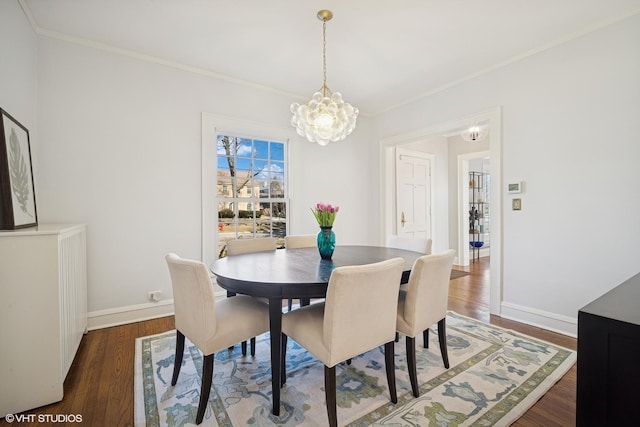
point(213, 125)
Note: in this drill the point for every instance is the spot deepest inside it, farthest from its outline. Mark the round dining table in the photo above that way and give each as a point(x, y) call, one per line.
point(297, 274)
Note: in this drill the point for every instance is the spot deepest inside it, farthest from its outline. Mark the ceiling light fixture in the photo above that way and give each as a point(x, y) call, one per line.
point(475, 133)
point(326, 117)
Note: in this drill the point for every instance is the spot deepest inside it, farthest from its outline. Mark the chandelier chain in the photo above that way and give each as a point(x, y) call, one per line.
point(324, 57)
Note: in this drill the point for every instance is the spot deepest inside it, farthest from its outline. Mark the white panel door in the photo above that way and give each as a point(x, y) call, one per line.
point(413, 194)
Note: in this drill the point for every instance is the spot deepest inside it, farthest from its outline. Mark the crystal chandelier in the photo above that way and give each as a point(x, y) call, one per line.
point(475, 133)
point(326, 117)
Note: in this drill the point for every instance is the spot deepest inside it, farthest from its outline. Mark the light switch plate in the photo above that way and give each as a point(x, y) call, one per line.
point(516, 204)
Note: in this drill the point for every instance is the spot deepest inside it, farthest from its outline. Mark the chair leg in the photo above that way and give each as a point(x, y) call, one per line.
point(177, 360)
point(230, 294)
point(283, 361)
point(391, 370)
point(290, 304)
point(397, 337)
point(411, 365)
point(425, 338)
point(330, 394)
point(442, 337)
point(207, 376)
point(244, 347)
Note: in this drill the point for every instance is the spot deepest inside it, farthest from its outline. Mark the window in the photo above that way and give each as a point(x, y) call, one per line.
point(218, 192)
point(251, 189)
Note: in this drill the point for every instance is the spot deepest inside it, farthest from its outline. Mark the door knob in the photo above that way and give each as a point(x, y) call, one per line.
point(402, 219)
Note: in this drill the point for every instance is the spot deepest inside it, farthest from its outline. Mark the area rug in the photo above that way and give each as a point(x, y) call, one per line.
point(495, 376)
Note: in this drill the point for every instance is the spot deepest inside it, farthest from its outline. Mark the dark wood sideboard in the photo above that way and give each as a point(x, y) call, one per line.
point(608, 389)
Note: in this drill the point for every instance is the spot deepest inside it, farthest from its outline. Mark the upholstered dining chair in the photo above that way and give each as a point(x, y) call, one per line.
point(294, 241)
point(246, 246)
point(209, 324)
point(417, 244)
point(423, 303)
point(358, 314)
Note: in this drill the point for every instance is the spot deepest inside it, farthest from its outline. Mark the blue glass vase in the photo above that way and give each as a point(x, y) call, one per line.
point(326, 242)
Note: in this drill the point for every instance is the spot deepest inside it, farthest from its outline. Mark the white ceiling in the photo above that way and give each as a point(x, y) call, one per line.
point(380, 53)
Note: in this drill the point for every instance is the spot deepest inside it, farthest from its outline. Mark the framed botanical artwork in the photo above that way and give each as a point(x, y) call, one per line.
point(17, 192)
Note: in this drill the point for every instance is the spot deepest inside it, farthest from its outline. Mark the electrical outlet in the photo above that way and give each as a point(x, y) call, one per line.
point(154, 295)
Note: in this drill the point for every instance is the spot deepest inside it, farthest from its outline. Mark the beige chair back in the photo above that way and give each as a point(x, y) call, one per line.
point(193, 299)
point(245, 246)
point(196, 311)
point(300, 241)
point(361, 308)
point(416, 244)
point(427, 292)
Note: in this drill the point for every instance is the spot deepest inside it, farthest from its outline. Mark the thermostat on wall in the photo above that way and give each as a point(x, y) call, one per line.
point(515, 187)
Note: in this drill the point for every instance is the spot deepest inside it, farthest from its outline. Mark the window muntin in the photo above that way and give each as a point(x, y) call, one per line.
point(251, 189)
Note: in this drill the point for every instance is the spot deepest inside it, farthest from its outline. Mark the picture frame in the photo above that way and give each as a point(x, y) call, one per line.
point(17, 189)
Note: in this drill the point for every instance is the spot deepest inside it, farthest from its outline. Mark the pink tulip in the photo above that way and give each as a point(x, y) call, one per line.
point(325, 213)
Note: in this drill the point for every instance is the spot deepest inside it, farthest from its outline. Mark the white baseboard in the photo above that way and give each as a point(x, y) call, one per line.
point(134, 313)
point(137, 313)
point(543, 319)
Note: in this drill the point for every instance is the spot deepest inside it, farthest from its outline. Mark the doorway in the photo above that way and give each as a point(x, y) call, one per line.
point(442, 215)
point(472, 168)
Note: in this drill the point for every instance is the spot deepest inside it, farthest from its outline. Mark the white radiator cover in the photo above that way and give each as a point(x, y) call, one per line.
point(43, 312)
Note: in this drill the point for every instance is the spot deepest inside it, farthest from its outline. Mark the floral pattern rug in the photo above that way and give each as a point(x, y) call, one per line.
point(495, 376)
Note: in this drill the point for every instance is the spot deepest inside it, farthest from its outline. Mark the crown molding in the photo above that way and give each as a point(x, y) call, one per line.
point(550, 45)
point(208, 73)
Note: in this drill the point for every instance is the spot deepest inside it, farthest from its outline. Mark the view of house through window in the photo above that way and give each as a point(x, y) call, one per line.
point(251, 189)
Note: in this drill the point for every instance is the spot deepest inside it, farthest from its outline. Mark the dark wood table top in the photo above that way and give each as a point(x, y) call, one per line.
point(297, 273)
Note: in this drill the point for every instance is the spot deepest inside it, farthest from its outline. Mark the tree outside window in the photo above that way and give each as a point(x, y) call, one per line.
point(251, 189)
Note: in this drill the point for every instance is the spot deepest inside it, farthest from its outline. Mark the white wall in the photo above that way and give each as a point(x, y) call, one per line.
point(118, 148)
point(122, 153)
point(18, 72)
point(569, 132)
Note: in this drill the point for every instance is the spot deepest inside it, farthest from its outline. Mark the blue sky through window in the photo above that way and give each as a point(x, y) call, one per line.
point(260, 160)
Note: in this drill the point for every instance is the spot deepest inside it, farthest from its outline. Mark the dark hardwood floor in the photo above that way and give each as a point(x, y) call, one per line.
point(100, 382)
